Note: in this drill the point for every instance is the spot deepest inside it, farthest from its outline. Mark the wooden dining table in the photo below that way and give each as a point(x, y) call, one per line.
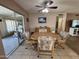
point(35, 35)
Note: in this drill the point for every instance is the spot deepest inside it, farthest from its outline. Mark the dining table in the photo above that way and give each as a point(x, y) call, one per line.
point(35, 35)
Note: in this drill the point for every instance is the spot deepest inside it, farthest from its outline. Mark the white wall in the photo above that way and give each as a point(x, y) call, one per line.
point(50, 21)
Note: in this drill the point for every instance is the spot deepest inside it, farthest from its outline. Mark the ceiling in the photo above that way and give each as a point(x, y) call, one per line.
point(7, 12)
point(71, 6)
point(4, 11)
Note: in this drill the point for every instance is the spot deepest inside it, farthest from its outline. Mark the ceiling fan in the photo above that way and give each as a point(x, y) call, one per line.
point(45, 5)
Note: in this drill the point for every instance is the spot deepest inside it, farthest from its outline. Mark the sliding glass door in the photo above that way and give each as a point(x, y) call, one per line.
point(20, 27)
point(10, 25)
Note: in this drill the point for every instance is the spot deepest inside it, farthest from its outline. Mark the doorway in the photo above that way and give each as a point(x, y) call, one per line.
point(59, 23)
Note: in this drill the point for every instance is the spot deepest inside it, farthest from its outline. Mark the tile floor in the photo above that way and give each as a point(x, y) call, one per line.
point(22, 53)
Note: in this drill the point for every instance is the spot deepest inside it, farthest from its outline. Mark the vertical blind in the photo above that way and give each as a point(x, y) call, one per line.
point(11, 25)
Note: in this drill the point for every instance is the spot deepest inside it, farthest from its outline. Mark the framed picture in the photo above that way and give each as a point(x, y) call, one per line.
point(42, 20)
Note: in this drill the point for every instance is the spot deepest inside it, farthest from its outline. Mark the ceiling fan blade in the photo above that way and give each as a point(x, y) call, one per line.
point(50, 2)
point(40, 10)
point(38, 6)
point(45, 2)
point(54, 7)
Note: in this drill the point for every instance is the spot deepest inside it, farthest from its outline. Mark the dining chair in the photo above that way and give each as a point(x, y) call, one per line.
point(29, 41)
point(64, 36)
point(46, 45)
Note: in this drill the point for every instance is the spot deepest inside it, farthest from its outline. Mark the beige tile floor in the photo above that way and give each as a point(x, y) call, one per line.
point(22, 53)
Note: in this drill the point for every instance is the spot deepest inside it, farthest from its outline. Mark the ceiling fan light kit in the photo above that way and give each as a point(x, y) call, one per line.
point(45, 10)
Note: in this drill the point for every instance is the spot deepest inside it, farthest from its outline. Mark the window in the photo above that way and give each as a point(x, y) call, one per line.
point(11, 25)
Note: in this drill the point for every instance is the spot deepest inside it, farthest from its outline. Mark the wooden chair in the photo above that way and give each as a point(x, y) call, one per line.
point(38, 28)
point(46, 46)
point(30, 41)
point(64, 36)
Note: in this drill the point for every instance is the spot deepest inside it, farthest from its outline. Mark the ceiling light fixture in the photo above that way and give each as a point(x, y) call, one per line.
point(45, 10)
